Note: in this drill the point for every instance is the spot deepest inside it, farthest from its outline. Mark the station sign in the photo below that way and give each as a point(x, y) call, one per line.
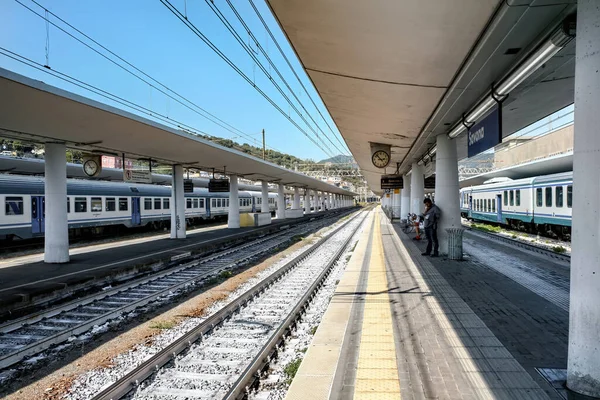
point(392, 182)
point(485, 134)
point(218, 185)
point(188, 186)
point(430, 182)
point(137, 176)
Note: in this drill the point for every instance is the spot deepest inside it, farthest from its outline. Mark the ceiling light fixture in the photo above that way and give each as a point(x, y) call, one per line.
point(555, 42)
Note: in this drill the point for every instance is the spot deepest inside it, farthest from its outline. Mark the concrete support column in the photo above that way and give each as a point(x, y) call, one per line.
point(280, 202)
point(306, 201)
point(417, 189)
point(296, 205)
point(405, 198)
point(583, 366)
point(264, 197)
point(177, 204)
point(56, 237)
point(233, 219)
point(447, 192)
point(328, 200)
point(315, 201)
point(397, 203)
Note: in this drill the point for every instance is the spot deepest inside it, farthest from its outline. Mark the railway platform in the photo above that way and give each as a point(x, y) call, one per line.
point(27, 281)
point(405, 326)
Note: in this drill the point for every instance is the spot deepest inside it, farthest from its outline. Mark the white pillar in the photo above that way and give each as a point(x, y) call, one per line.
point(328, 200)
point(583, 366)
point(296, 205)
point(306, 201)
point(405, 198)
point(177, 204)
point(264, 197)
point(56, 236)
point(314, 201)
point(417, 189)
point(396, 205)
point(447, 192)
point(280, 202)
point(233, 219)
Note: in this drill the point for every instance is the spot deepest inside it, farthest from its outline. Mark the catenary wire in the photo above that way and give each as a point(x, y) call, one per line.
point(213, 47)
point(211, 117)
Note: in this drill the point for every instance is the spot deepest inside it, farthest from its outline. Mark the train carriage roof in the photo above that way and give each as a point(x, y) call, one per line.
point(27, 185)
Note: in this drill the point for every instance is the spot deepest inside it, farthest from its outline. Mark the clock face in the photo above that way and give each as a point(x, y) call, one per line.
point(381, 159)
point(90, 167)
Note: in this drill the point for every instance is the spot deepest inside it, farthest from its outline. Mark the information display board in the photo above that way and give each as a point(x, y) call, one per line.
point(188, 186)
point(218, 185)
point(392, 182)
point(430, 182)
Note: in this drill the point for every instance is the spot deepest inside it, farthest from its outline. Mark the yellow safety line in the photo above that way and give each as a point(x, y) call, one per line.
point(377, 374)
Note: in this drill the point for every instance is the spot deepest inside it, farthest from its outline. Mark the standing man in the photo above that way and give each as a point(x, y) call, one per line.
point(431, 217)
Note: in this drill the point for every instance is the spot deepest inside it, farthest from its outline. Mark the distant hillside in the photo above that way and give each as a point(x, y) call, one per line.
point(339, 159)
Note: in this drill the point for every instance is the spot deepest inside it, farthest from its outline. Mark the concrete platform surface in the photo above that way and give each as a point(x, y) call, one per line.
point(415, 327)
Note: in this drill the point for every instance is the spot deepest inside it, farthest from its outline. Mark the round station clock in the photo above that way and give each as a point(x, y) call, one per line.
point(91, 167)
point(380, 159)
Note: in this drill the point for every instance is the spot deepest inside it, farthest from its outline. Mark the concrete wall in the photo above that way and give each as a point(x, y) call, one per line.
point(557, 142)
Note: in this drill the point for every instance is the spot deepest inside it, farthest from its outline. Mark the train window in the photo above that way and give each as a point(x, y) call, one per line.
point(512, 197)
point(538, 197)
point(201, 203)
point(111, 204)
point(96, 204)
point(13, 206)
point(166, 203)
point(548, 197)
point(493, 206)
point(147, 203)
point(559, 196)
point(213, 202)
point(489, 205)
point(157, 204)
point(505, 198)
point(219, 203)
point(195, 203)
point(476, 205)
point(518, 197)
point(188, 203)
point(68, 205)
point(569, 196)
point(80, 204)
point(123, 204)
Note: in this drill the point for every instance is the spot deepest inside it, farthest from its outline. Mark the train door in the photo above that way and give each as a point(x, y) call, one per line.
point(136, 216)
point(470, 205)
point(499, 208)
point(38, 214)
point(207, 203)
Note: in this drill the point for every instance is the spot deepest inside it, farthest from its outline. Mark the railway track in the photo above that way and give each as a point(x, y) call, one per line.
point(31, 335)
point(221, 358)
point(521, 244)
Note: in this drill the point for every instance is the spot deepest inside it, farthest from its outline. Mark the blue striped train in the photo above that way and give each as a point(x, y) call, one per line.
point(100, 206)
point(541, 204)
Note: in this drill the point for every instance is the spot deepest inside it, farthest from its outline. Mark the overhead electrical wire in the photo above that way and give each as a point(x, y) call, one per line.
point(199, 110)
point(213, 47)
point(100, 92)
point(250, 52)
point(266, 26)
point(270, 61)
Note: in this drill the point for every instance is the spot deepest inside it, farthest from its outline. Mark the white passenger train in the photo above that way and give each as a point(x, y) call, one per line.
point(540, 204)
point(97, 206)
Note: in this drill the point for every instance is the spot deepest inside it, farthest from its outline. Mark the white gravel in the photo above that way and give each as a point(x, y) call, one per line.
point(94, 381)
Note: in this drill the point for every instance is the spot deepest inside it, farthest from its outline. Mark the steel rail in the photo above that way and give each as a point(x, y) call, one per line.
point(518, 243)
point(19, 353)
point(149, 367)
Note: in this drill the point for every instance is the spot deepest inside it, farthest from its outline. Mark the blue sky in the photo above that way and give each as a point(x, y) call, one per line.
point(149, 36)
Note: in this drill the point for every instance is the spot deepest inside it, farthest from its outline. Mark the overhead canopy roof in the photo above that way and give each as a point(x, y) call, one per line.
point(546, 166)
point(32, 110)
point(403, 72)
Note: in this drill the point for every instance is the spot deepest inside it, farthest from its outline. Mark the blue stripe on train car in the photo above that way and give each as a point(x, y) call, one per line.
point(542, 219)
